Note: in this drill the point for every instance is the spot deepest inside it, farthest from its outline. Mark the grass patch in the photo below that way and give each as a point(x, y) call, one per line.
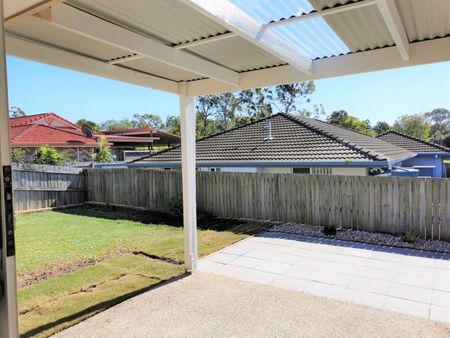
point(51, 245)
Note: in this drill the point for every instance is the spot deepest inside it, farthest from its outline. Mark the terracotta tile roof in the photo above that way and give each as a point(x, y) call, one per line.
point(412, 143)
point(35, 135)
point(30, 119)
point(295, 139)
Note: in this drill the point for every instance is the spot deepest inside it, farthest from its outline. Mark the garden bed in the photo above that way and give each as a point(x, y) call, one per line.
point(363, 237)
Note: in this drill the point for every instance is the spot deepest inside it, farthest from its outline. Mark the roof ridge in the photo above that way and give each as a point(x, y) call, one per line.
point(33, 118)
point(210, 136)
point(415, 139)
point(347, 143)
point(62, 130)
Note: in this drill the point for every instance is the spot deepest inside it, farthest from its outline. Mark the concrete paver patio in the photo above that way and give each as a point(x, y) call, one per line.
point(403, 280)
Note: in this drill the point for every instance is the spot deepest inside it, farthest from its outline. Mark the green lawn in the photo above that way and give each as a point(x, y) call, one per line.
point(93, 262)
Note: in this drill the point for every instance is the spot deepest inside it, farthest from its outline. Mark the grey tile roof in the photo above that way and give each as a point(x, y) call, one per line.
point(412, 143)
point(295, 139)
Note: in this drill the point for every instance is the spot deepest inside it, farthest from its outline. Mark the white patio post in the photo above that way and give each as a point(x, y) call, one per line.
point(187, 121)
point(8, 292)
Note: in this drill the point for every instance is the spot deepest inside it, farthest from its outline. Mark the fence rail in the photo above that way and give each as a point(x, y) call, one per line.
point(386, 204)
point(40, 186)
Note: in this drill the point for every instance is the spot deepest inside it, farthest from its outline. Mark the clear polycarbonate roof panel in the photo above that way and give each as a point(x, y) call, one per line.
point(314, 37)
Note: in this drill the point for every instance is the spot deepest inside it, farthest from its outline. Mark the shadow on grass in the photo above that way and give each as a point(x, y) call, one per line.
point(204, 222)
point(101, 306)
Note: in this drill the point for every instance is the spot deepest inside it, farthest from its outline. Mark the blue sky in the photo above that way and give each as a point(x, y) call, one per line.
point(385, 95)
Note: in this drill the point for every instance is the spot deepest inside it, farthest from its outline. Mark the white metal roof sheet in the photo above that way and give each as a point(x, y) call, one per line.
point(160, 69)
point(52, 35)
point(237, 54)
point(168, 20)
point(425, 19)
point(360, 29)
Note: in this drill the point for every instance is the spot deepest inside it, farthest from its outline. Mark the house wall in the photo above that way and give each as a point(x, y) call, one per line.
point(435, 161)
point(350, 171)
point(285, 170)
point(275, 170)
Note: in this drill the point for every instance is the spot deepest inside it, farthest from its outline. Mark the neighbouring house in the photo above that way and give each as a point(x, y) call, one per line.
point(430, 156)
point(134, 143)
point(31, 132)
point(283, 143)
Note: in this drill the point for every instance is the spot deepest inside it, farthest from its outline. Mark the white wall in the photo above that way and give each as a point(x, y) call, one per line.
point(283, 170)
point(350, 171)
point(232, 169)
point(275, 170)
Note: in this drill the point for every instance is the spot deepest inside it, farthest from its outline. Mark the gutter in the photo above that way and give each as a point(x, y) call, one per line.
point(350, 164)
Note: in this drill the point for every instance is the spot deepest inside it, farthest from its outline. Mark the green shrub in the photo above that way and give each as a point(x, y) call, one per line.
point(49, 155)
point(175, 205)
point(17, 155)
point(103, 153)
point(410, 237)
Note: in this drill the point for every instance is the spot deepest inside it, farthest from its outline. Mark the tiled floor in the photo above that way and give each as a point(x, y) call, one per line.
point(403, 280)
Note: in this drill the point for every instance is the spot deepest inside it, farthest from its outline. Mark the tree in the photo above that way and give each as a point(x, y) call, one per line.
point(287, 98)
point(343, 119)
point(337, 117)
point(440, 125)
point(16, 112)
point(206, 109)
point(147, 120)
point(116, 124)
point(255, 104)
point(381, 127)
point(17, 155)
point(316, 113)
point(415, 125)
point(88, 124)
point(49, 155)
point(225, 112)
point(103, 153)
point(173, 125)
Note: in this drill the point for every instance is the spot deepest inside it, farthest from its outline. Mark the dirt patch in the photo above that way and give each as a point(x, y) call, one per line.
point(56, 271)
point(42, 275)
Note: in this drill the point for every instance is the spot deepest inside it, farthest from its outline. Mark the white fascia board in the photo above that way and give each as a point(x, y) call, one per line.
point(425, 52)
point(234, 19)
point(39, 52)
point(79, 22)
point(392, 19)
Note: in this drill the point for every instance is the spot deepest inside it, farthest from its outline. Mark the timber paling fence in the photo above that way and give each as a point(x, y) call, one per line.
point(385, 204)
point(40, 186)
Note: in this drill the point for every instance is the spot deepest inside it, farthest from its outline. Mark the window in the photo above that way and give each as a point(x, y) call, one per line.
point(321, 171)
point(214, 169)
point(301, 170)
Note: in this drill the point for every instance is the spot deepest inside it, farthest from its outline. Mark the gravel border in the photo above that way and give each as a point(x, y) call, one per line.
point(363, 237)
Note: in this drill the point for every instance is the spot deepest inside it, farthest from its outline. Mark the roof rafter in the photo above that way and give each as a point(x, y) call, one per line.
point(391, 17)
point(424, 52)
point(320, 13)
point(79, 22)
point(234, 19)
point(40, 52)
point(203, 41)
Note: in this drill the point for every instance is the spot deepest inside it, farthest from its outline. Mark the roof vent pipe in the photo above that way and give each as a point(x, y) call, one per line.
point(269, 128)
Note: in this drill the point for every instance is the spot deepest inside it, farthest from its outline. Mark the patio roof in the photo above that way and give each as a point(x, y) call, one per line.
point(198, 47)
point(218, 45)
